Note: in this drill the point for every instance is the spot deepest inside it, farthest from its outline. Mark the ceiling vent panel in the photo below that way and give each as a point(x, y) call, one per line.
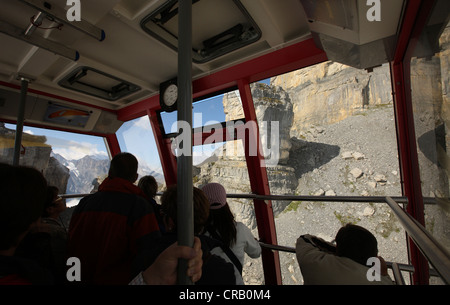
point(218, 27)
point(99, 84)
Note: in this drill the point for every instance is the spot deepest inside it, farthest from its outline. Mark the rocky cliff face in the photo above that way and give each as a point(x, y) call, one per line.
point(35, 153)
point(338, 91)
point(307, 102)
point(300, 102)
point(272, 104)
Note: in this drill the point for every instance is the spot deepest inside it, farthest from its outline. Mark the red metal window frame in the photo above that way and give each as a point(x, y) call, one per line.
point(415, 18)
point(113, 144)
point(285, 60)
point(259, 184)
point(291, 58)
point(167, 158)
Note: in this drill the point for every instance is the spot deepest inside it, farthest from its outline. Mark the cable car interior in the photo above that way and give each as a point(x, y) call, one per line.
point(94, 67)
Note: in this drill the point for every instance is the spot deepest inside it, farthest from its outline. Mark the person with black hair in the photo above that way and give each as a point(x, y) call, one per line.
point(149, 185)
point(23, 192)
point(236, 237)
point(46, 241)
point(345, 263)
point(215, 270)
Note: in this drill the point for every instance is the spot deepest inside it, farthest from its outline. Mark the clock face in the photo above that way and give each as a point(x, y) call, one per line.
point(170, 95)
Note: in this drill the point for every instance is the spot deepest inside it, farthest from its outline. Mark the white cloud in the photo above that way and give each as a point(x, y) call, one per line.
point(143, 122)
point(72, 150)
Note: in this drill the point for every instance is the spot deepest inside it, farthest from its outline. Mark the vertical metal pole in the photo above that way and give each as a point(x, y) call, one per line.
point(20, 119)
point(185, 209)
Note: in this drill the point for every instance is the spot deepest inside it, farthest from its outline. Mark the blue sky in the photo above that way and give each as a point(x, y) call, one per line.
point(137, 137)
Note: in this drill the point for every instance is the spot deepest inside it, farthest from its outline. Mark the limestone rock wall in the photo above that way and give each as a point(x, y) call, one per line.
point(35, 153)
point(308, 101)
point(330, 92)
point(272, 103)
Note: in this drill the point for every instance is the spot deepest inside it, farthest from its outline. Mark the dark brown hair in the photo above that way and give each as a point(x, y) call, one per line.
point(52, 193)
point(124, 165)
point(222, 221)
point(356, 243)
point(23, 190)
point(200, 205)
point(149, 185)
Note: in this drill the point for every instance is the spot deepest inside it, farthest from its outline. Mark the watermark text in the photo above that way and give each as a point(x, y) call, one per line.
point(374, 12)
point(74, 11)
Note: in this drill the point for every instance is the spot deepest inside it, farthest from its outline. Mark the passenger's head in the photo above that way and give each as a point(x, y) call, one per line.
point(356, 243)
point(124, 165)
point(200, 205)
point(221, 219)
point(54, 204)
point(216, 195)
point(23, 192)
point(149, 185)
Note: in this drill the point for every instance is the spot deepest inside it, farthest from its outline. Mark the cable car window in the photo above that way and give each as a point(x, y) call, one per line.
point(74, 163)
point(207, 111)
point(136, 137)
point(329, 130)
point(227, 165)
point(429, 90)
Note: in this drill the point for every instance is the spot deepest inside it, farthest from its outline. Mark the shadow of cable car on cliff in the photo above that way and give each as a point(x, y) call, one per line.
point(306, 156)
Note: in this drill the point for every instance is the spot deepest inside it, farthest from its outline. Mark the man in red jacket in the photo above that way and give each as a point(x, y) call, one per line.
point(113, 231)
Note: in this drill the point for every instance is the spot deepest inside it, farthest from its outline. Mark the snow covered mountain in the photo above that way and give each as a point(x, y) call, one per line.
point(85, 171)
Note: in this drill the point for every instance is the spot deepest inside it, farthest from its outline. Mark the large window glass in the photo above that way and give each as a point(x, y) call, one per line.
point(429, 87)
point(204, 112)
point(222, 161)
point(334, 129)
point(136, 137)
point(74, 163)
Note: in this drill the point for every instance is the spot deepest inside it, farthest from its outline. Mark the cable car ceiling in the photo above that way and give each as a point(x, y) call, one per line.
point(134, 42)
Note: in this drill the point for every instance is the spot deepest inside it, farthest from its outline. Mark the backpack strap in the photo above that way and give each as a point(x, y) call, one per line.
point(227, 250)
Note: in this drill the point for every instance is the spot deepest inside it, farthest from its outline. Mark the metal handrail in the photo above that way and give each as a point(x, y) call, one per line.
point(67, 196)
point(390, 265)
point(436, 254)
point(372, 199)
point(399, 280)
point(380, 199)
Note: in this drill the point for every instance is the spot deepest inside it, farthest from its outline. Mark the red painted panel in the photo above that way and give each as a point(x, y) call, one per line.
point(297, 56)
point(260, 185)
point(168, 160)
point(113, 144)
